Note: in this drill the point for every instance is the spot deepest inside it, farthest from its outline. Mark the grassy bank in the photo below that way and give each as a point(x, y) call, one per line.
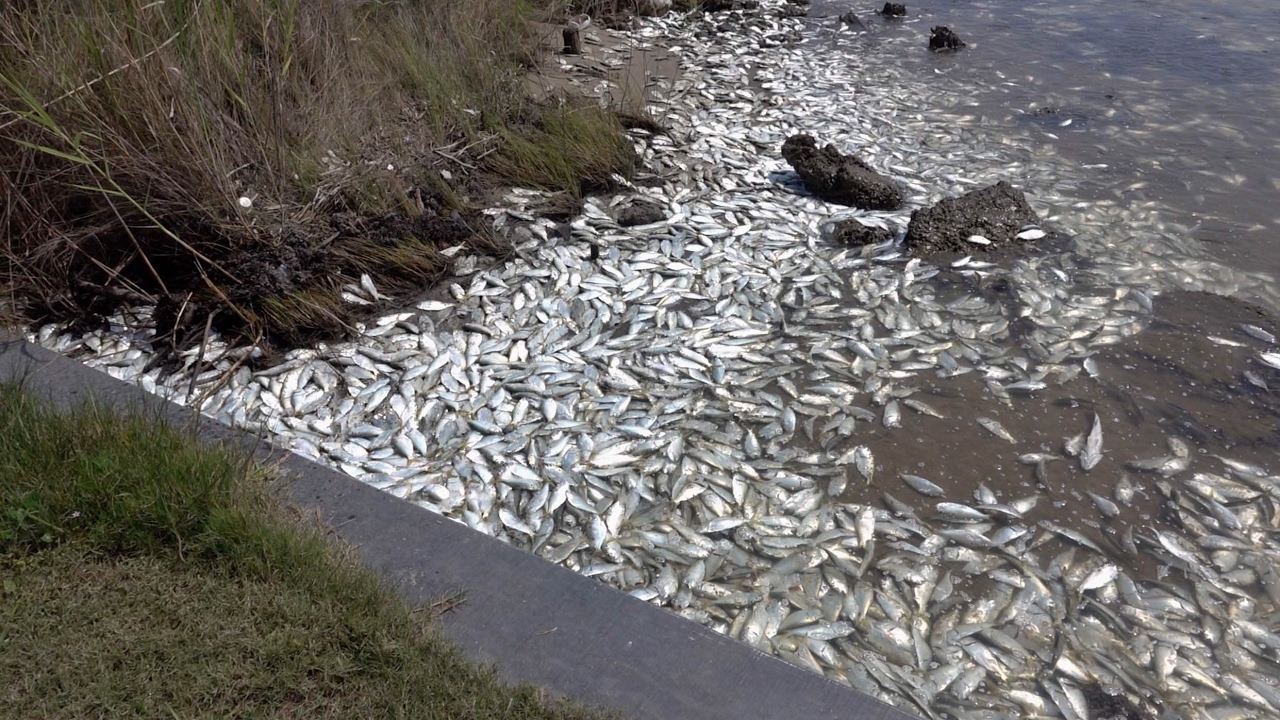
point(246, 158)
point(144, 576)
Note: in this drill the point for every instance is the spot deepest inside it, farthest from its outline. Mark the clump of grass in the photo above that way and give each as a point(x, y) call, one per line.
point(132, 134)
point(124, 486)
point(564, 147)
point(143, 575)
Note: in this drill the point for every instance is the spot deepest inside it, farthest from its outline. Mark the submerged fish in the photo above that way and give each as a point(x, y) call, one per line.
point(922, 486)
point(995, 428)
point(1091, 455)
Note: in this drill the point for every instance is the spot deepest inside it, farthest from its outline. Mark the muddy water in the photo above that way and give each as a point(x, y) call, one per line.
point(1170, 380)
point(1172, 101)
point(1168, 104)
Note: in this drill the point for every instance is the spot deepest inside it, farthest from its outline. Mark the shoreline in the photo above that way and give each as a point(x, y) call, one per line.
point(716, 292)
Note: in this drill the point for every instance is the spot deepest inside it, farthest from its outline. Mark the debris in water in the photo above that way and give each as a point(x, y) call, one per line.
point(894, 10)
point(839, 178)
point(943, 38)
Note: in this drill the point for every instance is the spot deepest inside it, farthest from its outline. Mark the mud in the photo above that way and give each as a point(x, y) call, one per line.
point(856, 234)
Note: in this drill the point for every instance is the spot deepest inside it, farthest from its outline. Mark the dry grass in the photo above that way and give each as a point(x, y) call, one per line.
point(145, 576)
point(130, 131)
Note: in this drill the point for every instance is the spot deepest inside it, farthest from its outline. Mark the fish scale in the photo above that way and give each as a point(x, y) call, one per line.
point(682, 487)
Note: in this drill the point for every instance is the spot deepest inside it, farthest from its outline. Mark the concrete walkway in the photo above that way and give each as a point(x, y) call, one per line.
point(537, 622)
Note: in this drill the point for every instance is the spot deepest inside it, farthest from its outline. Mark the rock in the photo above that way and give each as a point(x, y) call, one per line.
point(855, 234)
point(641, 212)
point(942, 38)
point(893, 10)
point(977, 221)
point(838, 178)
point(851, 18)
point(653, 8)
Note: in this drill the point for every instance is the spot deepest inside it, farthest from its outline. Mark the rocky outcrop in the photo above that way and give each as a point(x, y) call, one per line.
point(852, 20)
point(942, 38)
point(978, 221)
point(838, 178)
point(891, 9)
point(854, 234)
point(640, 212)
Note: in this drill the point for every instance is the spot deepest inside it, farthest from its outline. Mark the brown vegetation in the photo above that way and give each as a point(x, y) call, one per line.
point(245, 159)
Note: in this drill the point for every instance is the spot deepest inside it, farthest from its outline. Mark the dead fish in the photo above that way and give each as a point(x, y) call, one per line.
point(1258, 333)
point(1104, 505)
point(995, 428)
point(1091, 455)
point(923, 408)
point(892, 415)
point(865, 462)
point(961, 512)
point(1124, 491)
point(922, 486)
point(658, 408)
point(1036, 458)
point(1073, 446)
point(1101, 576)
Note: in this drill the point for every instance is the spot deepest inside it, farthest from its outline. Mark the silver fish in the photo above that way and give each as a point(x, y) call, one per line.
point(995, 428)
point(922, 486)
point(1091, 455)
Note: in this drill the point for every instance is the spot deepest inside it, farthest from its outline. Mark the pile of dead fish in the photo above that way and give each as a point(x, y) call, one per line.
point(675, 408)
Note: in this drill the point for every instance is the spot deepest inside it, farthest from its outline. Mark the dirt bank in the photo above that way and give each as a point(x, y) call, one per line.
point(241, 165)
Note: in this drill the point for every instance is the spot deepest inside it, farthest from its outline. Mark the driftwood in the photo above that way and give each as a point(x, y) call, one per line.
point(572, 41)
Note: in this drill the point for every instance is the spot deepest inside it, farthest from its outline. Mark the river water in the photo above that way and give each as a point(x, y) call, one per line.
point(1179, 99)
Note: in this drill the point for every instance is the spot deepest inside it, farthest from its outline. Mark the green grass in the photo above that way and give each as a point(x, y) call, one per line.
point(130, 130)
point(145, 576)
point(563, 148)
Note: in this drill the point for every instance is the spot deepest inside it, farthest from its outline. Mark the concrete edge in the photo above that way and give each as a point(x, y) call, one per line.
point(537, 622)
